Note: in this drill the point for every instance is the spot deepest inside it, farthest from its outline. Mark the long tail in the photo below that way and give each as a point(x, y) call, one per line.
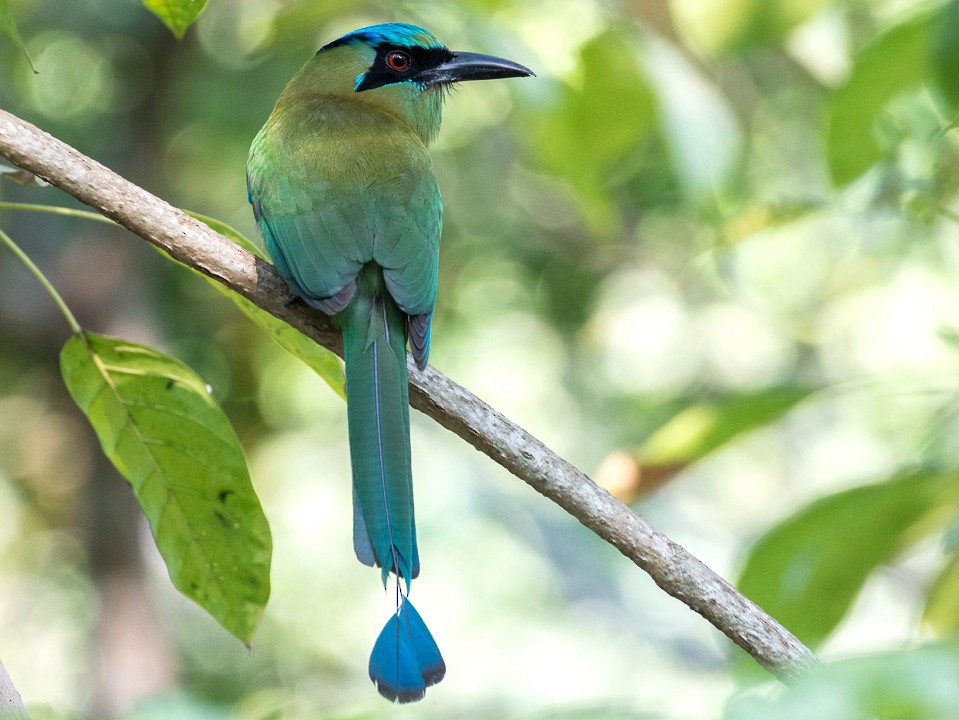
point(377, 393)
point(405, 659)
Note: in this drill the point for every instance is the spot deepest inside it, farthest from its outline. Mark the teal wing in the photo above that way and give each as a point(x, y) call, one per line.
point(317, 238)
point(320, 237)
point(407, 244)
point(408, 252)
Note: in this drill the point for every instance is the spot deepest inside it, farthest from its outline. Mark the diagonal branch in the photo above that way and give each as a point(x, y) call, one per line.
point(11, 706)
point(674, 569)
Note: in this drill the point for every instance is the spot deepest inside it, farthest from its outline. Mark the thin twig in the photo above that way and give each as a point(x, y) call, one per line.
point(194, 244)
point(47, 285)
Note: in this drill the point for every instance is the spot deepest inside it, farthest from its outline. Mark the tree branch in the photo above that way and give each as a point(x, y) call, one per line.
point(455, 408)
point(11, 706)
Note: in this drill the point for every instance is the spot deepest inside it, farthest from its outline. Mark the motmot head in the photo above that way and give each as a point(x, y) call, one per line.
point(405, 68)
point(410, 54)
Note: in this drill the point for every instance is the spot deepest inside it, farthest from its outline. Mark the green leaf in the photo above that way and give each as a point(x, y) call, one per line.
point(9, 26)
point(807, 570)
point(177, 15)
point(945, 52)
point(893, 63)
point(160, 427)
point(700, 429)
point(323, 362)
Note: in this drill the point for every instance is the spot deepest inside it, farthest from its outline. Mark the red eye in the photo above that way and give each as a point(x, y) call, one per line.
point(398, 61)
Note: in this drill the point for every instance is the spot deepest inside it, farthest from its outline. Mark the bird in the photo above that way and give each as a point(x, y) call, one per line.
point(344, 193)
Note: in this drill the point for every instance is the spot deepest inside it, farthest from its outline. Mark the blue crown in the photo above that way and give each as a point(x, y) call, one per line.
point(402, 34)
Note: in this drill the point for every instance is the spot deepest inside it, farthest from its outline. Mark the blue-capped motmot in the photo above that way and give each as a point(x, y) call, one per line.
point(344, 192)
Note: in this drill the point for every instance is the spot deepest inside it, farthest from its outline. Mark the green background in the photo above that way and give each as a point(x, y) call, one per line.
point(710, 255)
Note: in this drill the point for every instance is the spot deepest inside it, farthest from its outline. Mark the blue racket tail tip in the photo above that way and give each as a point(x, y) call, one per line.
point(405, 658)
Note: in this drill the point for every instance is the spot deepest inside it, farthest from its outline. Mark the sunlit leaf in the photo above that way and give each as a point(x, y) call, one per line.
point(717, 26)
point(895, 62)
point(942, 600)
point(177, 15)
point(807, 570)
point(700, 429)
point(689, 436)
point(160, 427)
point(323, 362)
point(9, 26)
point(920, 684)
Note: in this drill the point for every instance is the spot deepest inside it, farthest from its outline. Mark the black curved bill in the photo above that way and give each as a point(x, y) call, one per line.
point(463, 66)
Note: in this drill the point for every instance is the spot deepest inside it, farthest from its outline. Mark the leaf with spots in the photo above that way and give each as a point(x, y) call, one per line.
point(159, 425)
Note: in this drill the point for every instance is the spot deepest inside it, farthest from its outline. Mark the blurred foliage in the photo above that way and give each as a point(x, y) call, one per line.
point(712, 250)
point(698, 430)
point(725, 26)
point(916, 685)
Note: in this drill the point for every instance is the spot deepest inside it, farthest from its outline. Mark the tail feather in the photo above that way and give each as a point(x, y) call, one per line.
point(419, 331)
point(405, 659)
point(377, 391)
point(362, 545)
point(428, 656)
